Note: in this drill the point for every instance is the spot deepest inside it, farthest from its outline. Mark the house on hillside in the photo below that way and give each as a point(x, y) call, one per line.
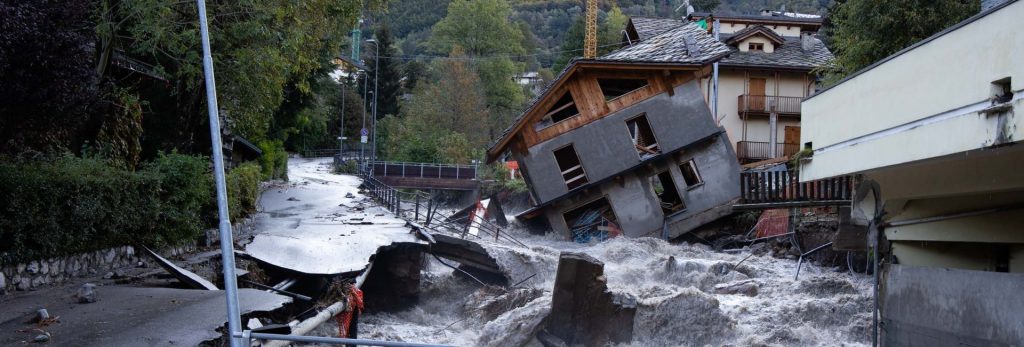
point(625, 143)
point(762, 81)
point(936, 134)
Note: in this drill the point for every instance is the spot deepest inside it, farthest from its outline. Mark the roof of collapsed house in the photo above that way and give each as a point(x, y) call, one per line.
point(648, 27)
point(689, 46)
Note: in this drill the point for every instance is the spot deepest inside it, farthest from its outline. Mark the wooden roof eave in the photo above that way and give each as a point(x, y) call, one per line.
point(577, 65)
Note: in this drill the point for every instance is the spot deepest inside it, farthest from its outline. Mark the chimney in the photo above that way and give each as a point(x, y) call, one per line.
point(766, 13)
point(989, 4)
point(807, 40)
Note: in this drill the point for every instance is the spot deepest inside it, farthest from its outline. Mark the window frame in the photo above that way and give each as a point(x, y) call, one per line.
point(693, 164)
point(751, 46)
point(538, 126)
point(655, 136)
point(682, 202)
point(582, 168)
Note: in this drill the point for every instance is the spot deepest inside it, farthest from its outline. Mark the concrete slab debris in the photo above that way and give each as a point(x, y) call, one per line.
point(583, 310)
point(138, 317)
point(183, 275)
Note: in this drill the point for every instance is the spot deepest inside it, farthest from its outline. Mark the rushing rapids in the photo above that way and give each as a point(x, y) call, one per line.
point(674, 286)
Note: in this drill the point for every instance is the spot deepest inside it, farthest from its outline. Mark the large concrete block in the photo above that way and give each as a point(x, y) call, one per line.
point(583, 311)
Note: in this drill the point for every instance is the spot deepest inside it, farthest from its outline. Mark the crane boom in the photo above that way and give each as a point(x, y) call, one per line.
point(590, 38)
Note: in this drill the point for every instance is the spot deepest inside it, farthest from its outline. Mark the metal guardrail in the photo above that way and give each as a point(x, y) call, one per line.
point(769, 103)
point(422, 170)
point(754, 151)
point(420, 208)
point(766, 187)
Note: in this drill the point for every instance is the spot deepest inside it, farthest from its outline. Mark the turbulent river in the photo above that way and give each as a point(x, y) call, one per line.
point(674, 286)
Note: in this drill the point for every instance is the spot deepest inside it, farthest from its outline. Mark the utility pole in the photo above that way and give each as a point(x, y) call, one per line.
point(341, 133)
point(227, 244)
point(362, 145)
point(376, 69)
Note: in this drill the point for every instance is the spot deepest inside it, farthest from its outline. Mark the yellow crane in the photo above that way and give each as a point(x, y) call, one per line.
point(590, 36)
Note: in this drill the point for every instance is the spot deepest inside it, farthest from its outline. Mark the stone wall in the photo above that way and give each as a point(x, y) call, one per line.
point(57, 270)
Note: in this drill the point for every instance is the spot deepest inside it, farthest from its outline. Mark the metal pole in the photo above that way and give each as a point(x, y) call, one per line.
point(714, 85)
point(341, 134)
point(362, 146)
point(227, 250)
point(376, 68)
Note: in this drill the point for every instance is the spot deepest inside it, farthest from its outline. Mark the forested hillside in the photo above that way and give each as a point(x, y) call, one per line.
point(549, 21)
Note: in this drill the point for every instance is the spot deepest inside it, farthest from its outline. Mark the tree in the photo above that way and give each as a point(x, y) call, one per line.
point(705, 5)
point(47, 84)
point(482, 29)
point(389, 75)
point(862, 32)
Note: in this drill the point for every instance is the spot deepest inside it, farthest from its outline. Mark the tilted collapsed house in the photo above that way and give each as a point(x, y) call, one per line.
point(626, 143)
point(762, 82)
point(936, 134)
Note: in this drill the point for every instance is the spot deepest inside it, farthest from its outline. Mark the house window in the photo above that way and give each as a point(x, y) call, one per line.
point(593, 221)
point(690, 174)
point(570, 166)
point(643, 137)
point(665, 190)
point(615, 87)
point(563, 109)
point(755, 47)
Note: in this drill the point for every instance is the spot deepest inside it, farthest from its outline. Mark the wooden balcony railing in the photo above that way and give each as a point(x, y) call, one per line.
point(773, 187)
point(750, 151)
point(789, 105)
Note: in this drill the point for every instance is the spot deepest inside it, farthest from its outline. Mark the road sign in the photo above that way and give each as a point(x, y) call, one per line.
point(364, 132)
point(364, 139)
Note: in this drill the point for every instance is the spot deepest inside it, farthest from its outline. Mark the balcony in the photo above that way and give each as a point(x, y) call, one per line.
point(750, 151)
point(765, 104)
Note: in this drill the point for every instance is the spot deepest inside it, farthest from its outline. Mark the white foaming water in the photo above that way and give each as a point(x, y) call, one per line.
point(674, 288)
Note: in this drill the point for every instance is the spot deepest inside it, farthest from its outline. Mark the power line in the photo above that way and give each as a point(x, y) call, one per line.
point(496, 56)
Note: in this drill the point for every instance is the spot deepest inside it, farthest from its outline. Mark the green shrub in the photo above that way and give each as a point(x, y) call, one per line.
point(71, 205)
point(274, 161)
point(350, 167)
point(243, 190)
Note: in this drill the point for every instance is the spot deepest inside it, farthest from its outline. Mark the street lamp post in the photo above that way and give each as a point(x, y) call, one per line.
point(362, 145)
point(376, 68)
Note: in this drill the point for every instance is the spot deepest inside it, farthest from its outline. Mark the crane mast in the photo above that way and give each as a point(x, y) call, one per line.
point(590, 37)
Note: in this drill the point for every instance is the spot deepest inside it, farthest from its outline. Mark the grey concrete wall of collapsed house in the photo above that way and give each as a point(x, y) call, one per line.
point(930, 306)
point(605, 148)
point(717, 165)
point(637, 207)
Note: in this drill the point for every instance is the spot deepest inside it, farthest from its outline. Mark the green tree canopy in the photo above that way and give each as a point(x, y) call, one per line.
point(862, 32)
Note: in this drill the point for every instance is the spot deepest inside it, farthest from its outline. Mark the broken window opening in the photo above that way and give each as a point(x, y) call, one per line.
point(570, 166)
point(690, 174)
point(563, 109)
point(755, 47)
point(643, 137)
point(1001, 91)
point(665, 189)
point(615, 87)
point(593, 221)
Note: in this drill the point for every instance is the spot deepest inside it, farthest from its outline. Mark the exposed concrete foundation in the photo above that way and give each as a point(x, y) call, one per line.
point(583, 311)
point(394, 281)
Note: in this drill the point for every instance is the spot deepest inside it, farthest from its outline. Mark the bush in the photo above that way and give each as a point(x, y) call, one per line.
point(243, 190)
point(350, 167)
point(72, 205)
point(274, 161)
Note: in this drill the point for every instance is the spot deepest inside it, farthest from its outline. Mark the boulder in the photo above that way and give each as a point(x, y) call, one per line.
point(86, 293)
point(747, 287)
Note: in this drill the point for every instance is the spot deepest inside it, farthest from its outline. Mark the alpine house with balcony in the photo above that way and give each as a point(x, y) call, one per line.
point(763, 80)
point(625, 143)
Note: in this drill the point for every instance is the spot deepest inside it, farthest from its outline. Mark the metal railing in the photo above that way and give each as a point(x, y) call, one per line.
point(770, 103)
point(754, 151)
point(420, 208)
point(761, 187)
point(422, 170)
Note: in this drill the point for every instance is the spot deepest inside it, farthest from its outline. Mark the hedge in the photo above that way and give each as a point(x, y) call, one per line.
point(72, 205)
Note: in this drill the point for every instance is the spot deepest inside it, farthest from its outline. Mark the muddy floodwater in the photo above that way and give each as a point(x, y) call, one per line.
point(674, 286)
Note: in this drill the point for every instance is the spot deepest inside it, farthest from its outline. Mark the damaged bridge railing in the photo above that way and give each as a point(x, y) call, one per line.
point(773, 189)
point(422, 209)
